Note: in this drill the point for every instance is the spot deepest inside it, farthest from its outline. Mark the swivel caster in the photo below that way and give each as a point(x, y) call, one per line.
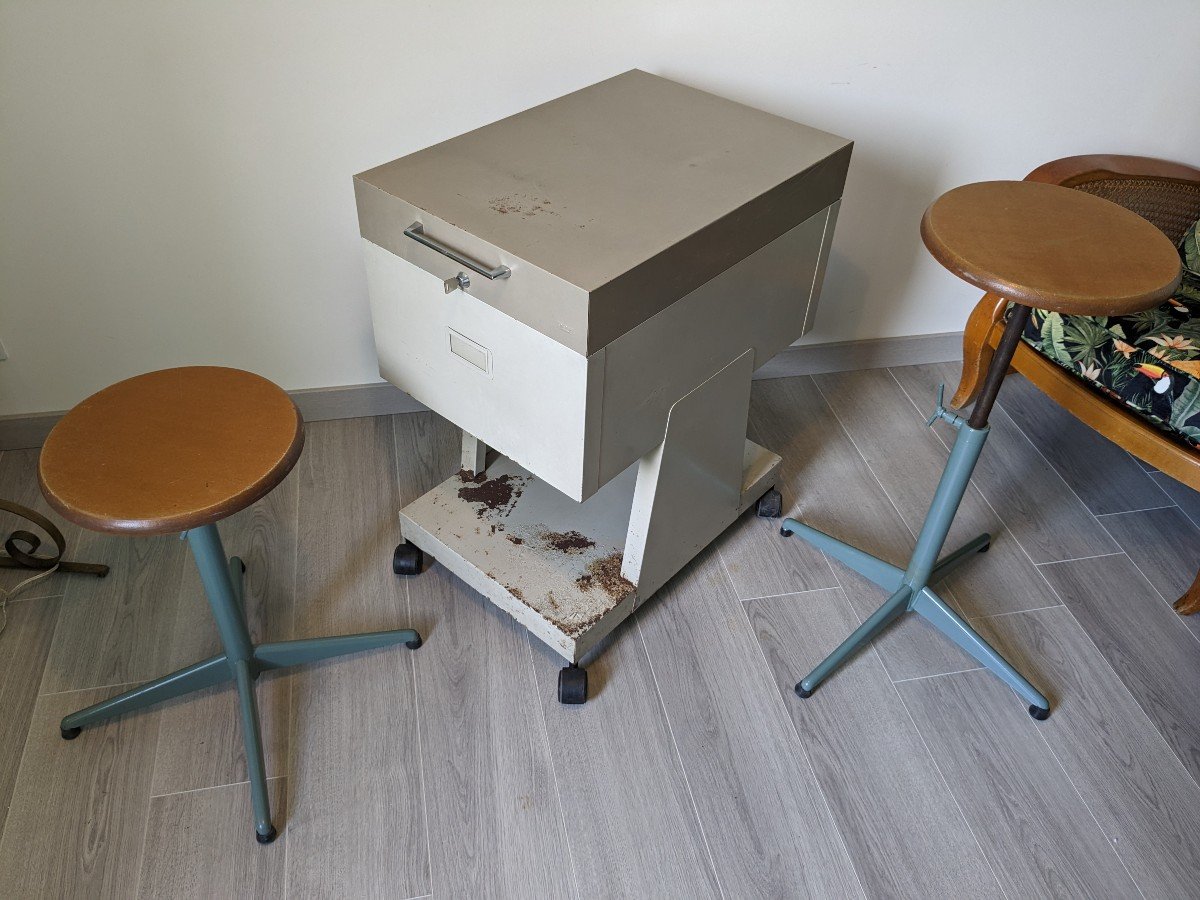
point(1038, 713)
point(69, 734)
point(407, 559)
point(572, 684)
point(266, 838)
point(770, 505)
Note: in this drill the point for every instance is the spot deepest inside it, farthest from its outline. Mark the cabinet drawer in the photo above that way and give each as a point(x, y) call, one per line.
point(497, 378)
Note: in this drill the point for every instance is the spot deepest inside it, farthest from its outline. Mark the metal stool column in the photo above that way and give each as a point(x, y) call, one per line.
point(909, 589)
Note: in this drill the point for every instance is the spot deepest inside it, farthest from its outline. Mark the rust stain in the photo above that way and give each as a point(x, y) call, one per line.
point(513, 539)
point(570, 542)
point(498, 494)
point(605, 573)
point(515, 591)
point(524, 205)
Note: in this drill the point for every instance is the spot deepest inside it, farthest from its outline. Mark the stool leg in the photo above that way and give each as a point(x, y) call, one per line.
point(195, 677)
point(264, 830)
point(222, 579)
point(935, 611)
point(863, 634)
point(282, 654)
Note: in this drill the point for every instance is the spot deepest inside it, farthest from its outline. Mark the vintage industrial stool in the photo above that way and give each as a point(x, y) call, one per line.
point(179, 450)
point(1038, 245)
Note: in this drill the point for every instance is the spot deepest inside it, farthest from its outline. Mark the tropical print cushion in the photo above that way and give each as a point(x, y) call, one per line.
point(1150, 361)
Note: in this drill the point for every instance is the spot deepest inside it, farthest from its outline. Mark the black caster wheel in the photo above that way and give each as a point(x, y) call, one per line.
point(1038, 713)
point(407, 559)
point(414, 644)
point(266, 838)
point(770, 505)
point(572, 684)
point(801, 692)
point(69, 734)
point(785, 532)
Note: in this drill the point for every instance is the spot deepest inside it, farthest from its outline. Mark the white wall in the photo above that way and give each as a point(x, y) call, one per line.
point(175, 178)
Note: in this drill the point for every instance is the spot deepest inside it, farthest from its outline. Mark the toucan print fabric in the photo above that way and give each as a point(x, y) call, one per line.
point(1149, 361)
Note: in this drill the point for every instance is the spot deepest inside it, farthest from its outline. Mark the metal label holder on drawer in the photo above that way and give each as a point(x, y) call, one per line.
point(618, 417)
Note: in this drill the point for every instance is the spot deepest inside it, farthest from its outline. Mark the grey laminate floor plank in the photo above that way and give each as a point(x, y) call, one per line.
point(758, 562)
point(79, 807)
point(903, 827)
point(200, 740)
point(200, 844)
point(1041, 511)
point(829, 486)
point(1143, 639)
point(1181, 495)
point(1038, 833)
point(767, 823)
point(1165, 546)
point(1080, 453)
point(631, 823)
point(24, 645)
point(1136, 787)
point(908, 460)
point(355, 805)
point(495, 822)
point(118, 629)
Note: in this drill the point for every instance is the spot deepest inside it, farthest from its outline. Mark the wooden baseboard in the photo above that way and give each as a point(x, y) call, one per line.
point(380, 399)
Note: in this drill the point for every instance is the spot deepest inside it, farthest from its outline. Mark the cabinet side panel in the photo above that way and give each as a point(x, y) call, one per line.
point(758, 304)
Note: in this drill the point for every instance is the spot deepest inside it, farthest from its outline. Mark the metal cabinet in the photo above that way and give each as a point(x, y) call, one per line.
point(586, 287)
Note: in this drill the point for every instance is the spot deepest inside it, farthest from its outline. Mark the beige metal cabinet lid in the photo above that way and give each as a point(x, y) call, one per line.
point(630, 193)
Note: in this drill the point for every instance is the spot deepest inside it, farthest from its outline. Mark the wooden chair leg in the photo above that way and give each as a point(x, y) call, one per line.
point(977, 349)
point(1190, 602)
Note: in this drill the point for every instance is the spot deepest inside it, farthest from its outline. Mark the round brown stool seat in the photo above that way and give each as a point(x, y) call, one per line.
point(1051, 247)
point(179, 450)
point(170, 450)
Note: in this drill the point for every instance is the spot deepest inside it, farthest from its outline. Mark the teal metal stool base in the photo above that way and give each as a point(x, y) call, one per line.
point(909, 588)
point(242, 662)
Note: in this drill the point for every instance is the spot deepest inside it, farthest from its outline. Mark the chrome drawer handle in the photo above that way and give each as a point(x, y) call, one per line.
point(416, 231)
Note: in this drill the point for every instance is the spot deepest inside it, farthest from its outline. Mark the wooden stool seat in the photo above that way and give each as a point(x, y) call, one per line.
point(1051, 247)
point(170, 450)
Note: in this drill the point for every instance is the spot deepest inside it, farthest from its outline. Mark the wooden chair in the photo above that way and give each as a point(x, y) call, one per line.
point(1168, 195)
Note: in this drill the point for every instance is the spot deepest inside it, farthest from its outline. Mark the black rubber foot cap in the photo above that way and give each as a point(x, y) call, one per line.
point(242, 563)
point(1038, 713)
point(785, 532)
point(69, 734)
point(986, 547)
point(801, 692)
point(266, 838)
point(414, 644)
point(572, 685)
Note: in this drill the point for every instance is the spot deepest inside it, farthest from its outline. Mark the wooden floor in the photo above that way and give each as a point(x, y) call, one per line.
point(693, 771)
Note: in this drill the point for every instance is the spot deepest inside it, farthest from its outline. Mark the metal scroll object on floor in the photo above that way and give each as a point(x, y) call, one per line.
point(25, 557)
